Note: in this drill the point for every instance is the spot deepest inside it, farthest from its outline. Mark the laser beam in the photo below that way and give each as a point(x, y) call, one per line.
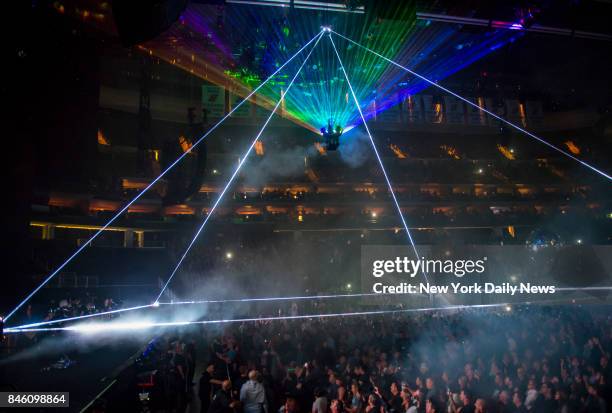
point(172, 165)
point(259, 299)
point(132, 326)
point(488, 112)
point(103, 327)
point(596, 288)
point(81, 317)
point(334, 296)
point(293, 298)
point(242, 161)
point(219, 301)
point(380, 162)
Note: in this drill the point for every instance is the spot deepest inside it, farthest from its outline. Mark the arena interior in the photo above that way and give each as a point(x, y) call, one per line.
point(261, 206)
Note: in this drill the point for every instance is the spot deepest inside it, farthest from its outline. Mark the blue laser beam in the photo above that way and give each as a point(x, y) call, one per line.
point(488, 112)
point(242, 161)
point(380, 162)
point(132, 326)
point(172, 165)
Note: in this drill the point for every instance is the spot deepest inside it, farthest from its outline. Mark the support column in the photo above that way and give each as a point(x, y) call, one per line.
point(139, 239)
point(48, 232)
point(128, 238)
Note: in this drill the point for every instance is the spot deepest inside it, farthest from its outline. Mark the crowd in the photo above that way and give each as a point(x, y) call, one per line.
point(532, 359)
point(169, 362)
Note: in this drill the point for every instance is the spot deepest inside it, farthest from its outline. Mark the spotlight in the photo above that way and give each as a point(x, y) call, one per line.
point(348, 286)
point(579, 241)
point(326, 29)
point(229, 255)
point(155, 304)
point(331, 135)
point(374, 214)
point(508, 308)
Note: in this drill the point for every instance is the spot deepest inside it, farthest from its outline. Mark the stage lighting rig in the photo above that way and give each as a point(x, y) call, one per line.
point(331, 136)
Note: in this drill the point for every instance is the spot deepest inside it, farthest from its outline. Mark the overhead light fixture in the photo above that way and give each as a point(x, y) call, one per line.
point(497, 24)
point(304, 4)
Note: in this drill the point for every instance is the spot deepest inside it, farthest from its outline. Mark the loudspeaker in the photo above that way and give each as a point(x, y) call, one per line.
point(141, 20)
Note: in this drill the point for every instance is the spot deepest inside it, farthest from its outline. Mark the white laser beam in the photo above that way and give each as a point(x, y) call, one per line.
point(141, 193)
point(380, 162)
point(488, 112)
point(236, 171)
point(134, 326)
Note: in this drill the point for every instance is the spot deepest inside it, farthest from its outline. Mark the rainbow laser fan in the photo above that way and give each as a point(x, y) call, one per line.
point(337, 206)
